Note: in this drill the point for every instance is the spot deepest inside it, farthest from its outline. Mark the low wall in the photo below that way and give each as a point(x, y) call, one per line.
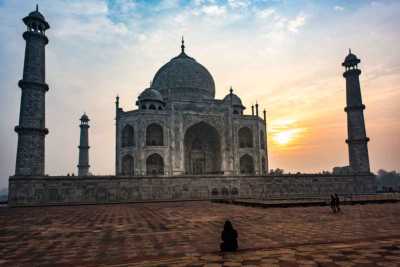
point(64, 190)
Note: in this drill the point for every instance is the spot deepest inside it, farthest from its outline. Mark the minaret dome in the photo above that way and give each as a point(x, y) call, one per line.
point(36, 22)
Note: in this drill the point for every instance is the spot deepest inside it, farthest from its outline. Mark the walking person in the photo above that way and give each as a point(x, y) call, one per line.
point(333, 203)
point(337, 203)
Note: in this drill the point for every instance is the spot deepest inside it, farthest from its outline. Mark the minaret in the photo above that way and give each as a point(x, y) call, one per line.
point(31, 129)
point(357, 138)
point(83, 166)
point(117, 143)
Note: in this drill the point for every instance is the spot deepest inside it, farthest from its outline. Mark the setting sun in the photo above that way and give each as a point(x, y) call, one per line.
point(287, 136)
point(283, 138)
point(285, 130)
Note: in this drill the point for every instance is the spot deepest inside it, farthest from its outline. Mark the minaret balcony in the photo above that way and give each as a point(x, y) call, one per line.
point(29, 85)
point(352, 72)
point(357, 141)
point(351, 108)
point(21, 129)
point(32, 34)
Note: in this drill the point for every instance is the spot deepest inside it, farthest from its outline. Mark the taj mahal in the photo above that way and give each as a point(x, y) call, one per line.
point(180, 128)
point(178, 143)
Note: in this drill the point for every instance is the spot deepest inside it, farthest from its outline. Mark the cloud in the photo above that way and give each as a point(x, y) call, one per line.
point(266, 13)
point(338, 8)
point(238, 3)
point(166, 4)
point(122, 8)
point(295, 24)
point(214, 10)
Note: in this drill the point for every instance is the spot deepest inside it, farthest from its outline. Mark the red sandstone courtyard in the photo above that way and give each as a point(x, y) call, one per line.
point(187, 234)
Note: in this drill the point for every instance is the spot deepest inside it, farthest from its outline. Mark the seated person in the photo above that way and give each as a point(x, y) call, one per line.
point(229, 237)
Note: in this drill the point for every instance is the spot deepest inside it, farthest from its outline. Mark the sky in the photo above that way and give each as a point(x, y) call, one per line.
point(285, 55)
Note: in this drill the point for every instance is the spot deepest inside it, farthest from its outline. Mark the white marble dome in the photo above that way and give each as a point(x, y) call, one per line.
point(236, 101)
point(184, 78)
point(150, 95)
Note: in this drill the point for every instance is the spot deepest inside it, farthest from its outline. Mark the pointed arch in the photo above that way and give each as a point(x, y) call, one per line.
point(155, 165)
point(246, 164)
point(245, 137)
point(202, 148)
point(154, 135)
point(128, 136)
point(128, 165)
point(234, 191)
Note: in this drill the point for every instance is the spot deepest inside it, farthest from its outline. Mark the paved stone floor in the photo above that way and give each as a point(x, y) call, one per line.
point(187, 234)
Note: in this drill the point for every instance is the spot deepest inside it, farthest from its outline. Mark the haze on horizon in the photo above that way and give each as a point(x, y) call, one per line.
point(285, 55)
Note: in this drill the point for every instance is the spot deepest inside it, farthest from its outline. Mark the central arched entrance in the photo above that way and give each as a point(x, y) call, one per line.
point(202, 150)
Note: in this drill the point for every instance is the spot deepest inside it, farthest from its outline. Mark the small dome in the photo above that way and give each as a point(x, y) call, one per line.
point(350, 57)
point(183, 77)
point(150, 95)
point(84, 117)
point(350, 60)
point(236, 101)
point(37, 15)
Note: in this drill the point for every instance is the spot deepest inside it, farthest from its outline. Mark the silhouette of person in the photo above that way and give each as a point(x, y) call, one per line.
point(229, 238)
point(333, 203)
point(337, 203)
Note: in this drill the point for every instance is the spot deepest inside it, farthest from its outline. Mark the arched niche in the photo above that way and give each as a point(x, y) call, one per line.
point(127, 165)
point(128, 136)
point(155, 165)
point(245, 137)
point(202, 147)
point(246, 164)
point(154, 135)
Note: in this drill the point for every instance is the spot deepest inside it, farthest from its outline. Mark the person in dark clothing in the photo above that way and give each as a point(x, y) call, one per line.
point(333, 203)
point(337, 203)
point(229, 238)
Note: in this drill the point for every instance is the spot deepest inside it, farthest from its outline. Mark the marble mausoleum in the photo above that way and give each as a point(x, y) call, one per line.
point(180, 143)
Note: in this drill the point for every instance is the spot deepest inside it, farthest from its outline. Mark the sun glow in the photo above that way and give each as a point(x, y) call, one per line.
point(285, 131)
point(287, 136)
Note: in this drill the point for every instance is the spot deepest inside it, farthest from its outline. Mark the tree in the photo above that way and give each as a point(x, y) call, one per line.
point(277, 171)
point(388, 181)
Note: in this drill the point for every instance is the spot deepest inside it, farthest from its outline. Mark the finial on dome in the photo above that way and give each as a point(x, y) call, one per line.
point(183, 45)
point(37, 8)
point(117, 101)
point(349, 50)
point(231, 90)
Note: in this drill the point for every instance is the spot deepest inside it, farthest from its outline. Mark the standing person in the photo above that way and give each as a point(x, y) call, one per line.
point(229, 238)
point(337, 203)
point(333, 203)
